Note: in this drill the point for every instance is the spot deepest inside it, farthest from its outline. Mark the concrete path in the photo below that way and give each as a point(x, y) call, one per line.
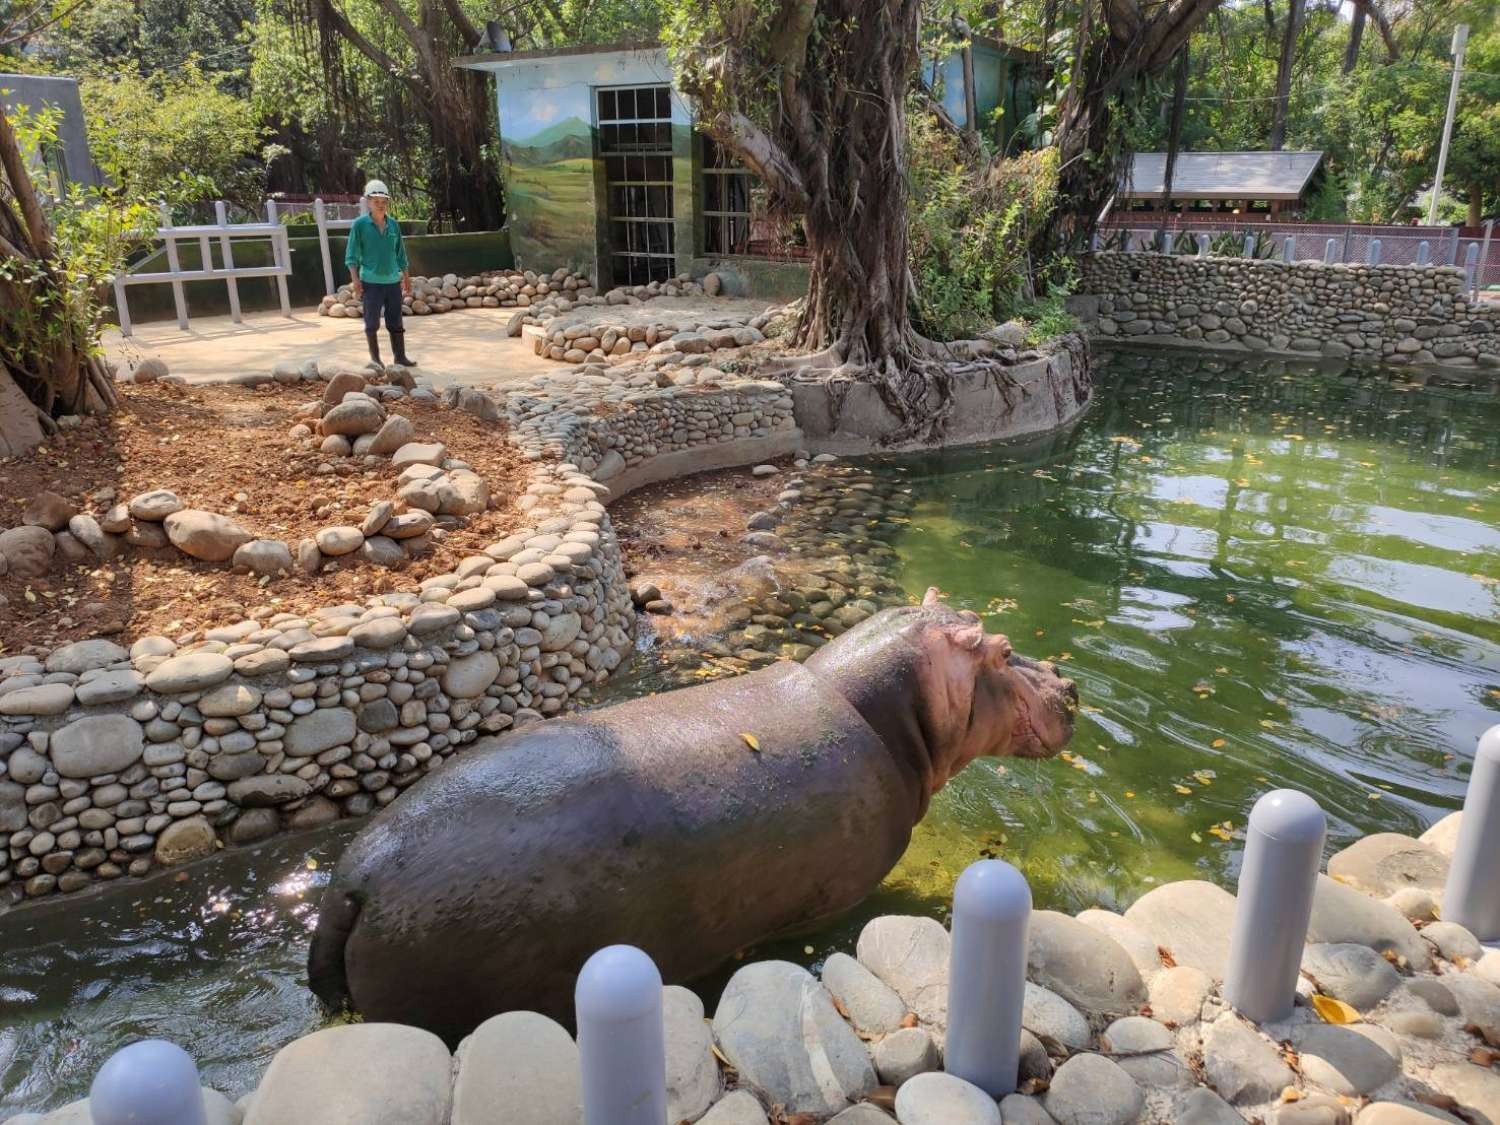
point(468, 345)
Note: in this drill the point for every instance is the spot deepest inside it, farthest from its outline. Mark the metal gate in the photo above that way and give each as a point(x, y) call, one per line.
point(635, 142)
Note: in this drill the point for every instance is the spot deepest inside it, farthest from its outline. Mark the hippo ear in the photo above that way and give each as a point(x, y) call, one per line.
point(968, 637)
point(933, 597)
point(969, 615)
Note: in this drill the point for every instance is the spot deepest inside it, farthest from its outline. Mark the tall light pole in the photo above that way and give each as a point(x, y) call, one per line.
point(1460, 41)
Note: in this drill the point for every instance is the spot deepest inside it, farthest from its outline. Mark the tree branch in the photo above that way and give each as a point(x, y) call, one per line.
point(21, 188)
point(761, 154)
point(9, 35)
point(790, 33)
point(408, 28)
point(472, 35)
point(360, 43)
point(1383, 25)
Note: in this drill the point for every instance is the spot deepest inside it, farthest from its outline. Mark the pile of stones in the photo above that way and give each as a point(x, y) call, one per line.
point(1124, 1021)
point(436, 494)
point(578, 343)
point(492, 289)
point(1397, 314)
point(53, 529)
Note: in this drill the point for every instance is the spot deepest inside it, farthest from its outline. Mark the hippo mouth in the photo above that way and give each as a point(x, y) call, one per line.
point(1047, 705)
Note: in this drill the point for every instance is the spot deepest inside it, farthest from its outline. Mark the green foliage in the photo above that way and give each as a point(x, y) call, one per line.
point(1186, 243)
point(181, 137)
point(146, 37)
point(970, 228)
point(1378, 125)
point(1231, 244)
point(93, 231)
point(1045, 319)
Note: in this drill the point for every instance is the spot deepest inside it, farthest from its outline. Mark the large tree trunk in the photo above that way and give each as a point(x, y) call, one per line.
point(835, 153)
point(1356, 37)
point(1119, 45)
point(45, 366)
point(1284, 74)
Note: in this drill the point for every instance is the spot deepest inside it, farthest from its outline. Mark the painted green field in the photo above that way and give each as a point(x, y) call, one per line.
point(553, 208)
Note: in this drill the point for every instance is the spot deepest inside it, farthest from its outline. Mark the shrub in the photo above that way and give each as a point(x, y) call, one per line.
point(970, 225)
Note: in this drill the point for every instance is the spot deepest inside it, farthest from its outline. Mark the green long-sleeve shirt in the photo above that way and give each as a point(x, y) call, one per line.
point(380, 255)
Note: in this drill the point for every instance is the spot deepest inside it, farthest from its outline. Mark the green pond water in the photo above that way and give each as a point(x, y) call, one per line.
point(1259, 576)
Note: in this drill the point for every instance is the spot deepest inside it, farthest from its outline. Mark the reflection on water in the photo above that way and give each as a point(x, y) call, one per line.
point(1258, 577)
point(212, 957)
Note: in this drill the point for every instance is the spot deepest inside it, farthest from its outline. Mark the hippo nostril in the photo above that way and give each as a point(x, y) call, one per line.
point(1070, 689)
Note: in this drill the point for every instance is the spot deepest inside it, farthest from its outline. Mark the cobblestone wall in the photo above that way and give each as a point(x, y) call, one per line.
point(1395, 313)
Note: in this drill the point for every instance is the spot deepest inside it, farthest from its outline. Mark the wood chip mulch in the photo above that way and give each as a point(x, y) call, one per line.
point(224, 449)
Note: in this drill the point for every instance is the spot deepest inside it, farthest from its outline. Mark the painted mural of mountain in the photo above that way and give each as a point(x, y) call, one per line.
point(570, 138)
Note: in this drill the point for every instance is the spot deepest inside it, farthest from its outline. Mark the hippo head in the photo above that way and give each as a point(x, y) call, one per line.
point(934, 684)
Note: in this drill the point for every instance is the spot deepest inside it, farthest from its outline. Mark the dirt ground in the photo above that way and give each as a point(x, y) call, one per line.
point(224, 449)
point(683, 536)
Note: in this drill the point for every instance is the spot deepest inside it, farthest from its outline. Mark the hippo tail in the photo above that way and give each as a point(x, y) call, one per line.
point(327, 974)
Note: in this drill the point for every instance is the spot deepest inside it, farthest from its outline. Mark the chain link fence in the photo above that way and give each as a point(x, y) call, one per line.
point(1478, 255)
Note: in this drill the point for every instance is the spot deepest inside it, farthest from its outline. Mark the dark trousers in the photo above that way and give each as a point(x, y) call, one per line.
point(386, 297)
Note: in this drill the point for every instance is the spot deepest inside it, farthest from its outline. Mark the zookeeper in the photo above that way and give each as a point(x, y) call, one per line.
point(378, 271)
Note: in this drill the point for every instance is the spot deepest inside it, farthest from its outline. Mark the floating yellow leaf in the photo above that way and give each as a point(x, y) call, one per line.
point(1333, 1011)
point(1183, 789)
point(1197, 839)
point(1130, 792)
point(752, 742)
point(1219, 743)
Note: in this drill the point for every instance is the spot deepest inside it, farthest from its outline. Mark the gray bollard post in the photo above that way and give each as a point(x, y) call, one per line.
point(1471, 265)
point(1202, 245)
point(987, 975)
point(1329, 250)
point(1471, 896)
point(1372, 252)
point(1424, 252)
point(621, 1044)
point(1289, 249)
point(1283, 850)
point(152, 1082)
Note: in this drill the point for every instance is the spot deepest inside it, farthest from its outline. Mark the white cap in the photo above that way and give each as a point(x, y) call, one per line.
point(377, 187)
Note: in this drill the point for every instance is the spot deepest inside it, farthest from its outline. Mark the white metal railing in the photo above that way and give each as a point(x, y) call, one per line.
point(327, 223)
point(225, 233)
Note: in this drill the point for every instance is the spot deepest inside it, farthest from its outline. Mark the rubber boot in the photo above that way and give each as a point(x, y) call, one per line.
point(374, 339)
point(398, 342)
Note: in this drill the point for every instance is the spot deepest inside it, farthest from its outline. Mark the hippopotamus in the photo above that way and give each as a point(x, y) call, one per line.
point(690, 824)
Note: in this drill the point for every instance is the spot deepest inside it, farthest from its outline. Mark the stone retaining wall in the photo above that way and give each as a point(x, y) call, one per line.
point(116, 761)
point(1031, 397)
point(1399, 314)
